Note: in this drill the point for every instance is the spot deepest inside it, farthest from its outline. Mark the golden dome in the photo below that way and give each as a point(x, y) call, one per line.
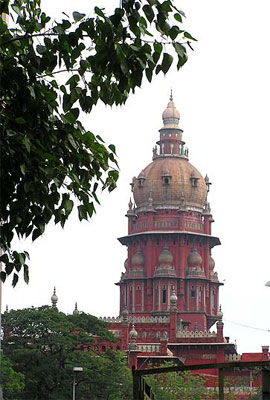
point(182, 183)
point(194, 257)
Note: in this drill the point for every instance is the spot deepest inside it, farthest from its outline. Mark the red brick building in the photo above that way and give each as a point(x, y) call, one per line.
point(169, 291)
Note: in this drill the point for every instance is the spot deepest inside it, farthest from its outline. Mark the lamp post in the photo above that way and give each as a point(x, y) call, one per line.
point(75, 370)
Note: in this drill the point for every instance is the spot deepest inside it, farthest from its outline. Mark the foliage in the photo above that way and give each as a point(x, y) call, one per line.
point(12, 382)
point(43, 345)
point(177, 385)
point(48, 159)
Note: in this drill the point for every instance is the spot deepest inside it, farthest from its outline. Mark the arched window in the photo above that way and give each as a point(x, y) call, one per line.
point(158, 334)
point(164, 294)
point(192, 291)
point(213, 299)
point(103, 349)
point(200, 294)
point(151, 334)
point(144, 334)
point(157, 296)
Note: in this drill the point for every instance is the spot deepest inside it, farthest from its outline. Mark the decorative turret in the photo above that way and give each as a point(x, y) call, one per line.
point(54, 298)
point(169, 238)
point(194, 257)
point(76, 311)
point(138, 258)
point(133, 334)
point(173, 300)
point(165, 257)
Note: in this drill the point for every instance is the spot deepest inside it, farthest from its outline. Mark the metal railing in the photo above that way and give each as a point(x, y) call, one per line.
point(142, 391)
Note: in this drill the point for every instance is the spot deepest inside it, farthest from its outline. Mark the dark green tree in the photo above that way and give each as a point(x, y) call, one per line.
point(48, 159)
point(43, 345)
point(12, 382)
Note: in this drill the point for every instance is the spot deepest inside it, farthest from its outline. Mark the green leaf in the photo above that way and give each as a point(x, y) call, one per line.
point(36, 233)
point(26, 273)
point(20, 121)
point(82, 212)
point(41, 49)
point(180, 49)
point(3, 276)
point(15, 279)
point(77, 16)
point(189, 36)
point(99, 12)
point(166, 62)
point(149, 13)
point(149, 74)
point(22, 168)
point(158, 47)
point(26, 143)
point(178, 17)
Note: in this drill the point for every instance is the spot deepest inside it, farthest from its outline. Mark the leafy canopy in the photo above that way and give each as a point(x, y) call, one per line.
point(43, 346)
point(48, 159)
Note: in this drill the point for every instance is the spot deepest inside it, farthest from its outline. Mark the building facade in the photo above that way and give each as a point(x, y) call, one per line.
point(169, 289)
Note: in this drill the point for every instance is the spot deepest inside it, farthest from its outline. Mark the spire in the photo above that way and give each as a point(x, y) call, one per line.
point(76, 311)
point(54, 298)
point(171, 96)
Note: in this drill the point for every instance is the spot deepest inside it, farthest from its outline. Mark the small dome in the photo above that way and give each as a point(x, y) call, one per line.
point(194, 257)
point(54, 298)
point(220, 313)
point(138, 258)
point(165, 256)
point(211, 263)
point(133, 333)
point(171, 115)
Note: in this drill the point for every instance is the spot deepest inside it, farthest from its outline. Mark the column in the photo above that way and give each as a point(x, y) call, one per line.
point(143, 296)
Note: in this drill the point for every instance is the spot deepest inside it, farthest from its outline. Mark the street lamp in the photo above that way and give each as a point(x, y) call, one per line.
point(75, 370)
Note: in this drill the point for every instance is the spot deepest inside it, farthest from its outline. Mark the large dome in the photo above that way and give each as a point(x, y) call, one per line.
point(170, 181)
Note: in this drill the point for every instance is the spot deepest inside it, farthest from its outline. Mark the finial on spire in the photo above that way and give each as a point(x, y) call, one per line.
point(171, 96)
point(54, 298)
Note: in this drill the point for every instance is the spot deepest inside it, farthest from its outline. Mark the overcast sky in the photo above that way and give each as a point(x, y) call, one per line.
point(222, 94)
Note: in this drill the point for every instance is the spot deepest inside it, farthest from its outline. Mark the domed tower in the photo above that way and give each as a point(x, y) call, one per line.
point(169, 237)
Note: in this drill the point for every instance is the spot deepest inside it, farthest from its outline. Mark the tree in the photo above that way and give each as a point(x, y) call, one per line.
point(11, 381)
point(43, 344)
point(178, 385)
point(48, 159)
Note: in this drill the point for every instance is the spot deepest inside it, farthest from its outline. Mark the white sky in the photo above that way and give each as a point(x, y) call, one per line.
point(223, 97)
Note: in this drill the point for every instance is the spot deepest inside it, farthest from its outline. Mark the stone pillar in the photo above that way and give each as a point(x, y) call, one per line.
point(132, 349)
point(173, 316)
point(265, 351)
point(163, 346)
point(132, 359)
point(220, 337)
point(142, 296)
